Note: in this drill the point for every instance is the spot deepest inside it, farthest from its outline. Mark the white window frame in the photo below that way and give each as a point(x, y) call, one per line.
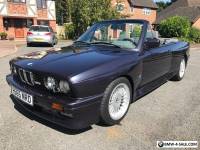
point(120, 4)
point(147, 11)
point(132, 9)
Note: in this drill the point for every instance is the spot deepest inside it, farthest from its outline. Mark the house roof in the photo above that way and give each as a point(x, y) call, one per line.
point(143, 3)
point(186, 8)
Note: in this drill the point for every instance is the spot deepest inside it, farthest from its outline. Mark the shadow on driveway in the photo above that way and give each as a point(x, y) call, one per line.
point(49, 124)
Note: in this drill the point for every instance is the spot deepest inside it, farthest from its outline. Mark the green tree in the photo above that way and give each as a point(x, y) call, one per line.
point(86, 12)
point(162, 5)
point(80, 16)
point(63, 11)
point(176, 26)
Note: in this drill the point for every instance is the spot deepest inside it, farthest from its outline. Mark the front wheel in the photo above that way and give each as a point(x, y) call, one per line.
point(181, 72)
point(116, 101)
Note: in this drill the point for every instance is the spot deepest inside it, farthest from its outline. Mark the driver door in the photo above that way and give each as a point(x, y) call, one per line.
point(156, 61)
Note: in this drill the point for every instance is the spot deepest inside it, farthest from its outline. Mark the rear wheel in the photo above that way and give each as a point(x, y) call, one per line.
point(28, 44)
point(116, 101)
point(51, 44)
point(180, 74)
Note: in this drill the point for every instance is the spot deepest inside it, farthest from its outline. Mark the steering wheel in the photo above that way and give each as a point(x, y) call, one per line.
point(127, 39)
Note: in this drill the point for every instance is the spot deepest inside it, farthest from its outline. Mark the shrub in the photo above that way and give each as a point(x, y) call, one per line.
point(3, 35)
point(69, 31)
point(176, 26)
point(194, 35)
point(136, 31)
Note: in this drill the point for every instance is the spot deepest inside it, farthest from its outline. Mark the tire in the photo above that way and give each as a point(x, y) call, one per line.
point(111, 100)
point(51, 44)
point(181, 72)
point(28, 44)
point(56, 41)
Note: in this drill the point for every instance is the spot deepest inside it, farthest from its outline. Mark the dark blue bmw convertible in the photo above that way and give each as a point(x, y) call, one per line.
point(97, 77)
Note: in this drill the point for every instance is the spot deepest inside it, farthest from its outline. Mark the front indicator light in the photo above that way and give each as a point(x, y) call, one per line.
point(57, 107)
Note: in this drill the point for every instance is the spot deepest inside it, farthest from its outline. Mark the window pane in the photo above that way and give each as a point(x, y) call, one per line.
point(41, 3)
point(39, 29)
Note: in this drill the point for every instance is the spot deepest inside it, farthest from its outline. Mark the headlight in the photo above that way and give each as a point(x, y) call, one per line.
point(56, 86)
point(50, 83)
point(64, 86)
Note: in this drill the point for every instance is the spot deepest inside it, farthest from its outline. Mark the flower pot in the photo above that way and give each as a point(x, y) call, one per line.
point(3, 37)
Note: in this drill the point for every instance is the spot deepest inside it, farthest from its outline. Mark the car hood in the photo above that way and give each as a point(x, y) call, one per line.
point(69, 61)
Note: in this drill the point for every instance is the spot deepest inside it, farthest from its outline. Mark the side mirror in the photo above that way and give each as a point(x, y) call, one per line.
point(151, 43)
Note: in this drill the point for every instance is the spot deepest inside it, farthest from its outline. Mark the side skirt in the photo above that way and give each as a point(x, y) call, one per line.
point(151, 86)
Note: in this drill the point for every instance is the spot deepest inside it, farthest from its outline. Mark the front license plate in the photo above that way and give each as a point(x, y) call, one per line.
point(22, 96)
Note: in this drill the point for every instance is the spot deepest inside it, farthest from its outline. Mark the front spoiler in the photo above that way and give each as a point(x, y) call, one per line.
point(80, 113)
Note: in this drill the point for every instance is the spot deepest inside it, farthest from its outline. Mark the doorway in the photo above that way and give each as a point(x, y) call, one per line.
point(19, 28)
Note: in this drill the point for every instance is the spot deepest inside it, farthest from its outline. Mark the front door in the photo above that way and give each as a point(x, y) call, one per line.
point(156, 62)
point(19, 28)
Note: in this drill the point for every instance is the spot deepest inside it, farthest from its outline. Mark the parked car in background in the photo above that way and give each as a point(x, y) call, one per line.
point(97, 77)
point(40, 34)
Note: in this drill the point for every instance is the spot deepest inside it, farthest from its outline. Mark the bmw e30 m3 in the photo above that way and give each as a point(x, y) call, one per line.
point(97, 77)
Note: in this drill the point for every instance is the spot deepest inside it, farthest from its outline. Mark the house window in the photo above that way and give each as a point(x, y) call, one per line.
point(147, 11)
point(43, 22)
point(17, 1)
point(119, 7)
point(132, 9)
point(41, 4)
point(29, 23)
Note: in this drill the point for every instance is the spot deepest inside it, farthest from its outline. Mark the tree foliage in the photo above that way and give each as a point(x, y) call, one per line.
point(87, 12)
point(83, 13)
point(194, 35)
point(176, 26)
point(63, 11)
point(162, 5)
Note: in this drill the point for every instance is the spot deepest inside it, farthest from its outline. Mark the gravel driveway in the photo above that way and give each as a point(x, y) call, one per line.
point(171, 112)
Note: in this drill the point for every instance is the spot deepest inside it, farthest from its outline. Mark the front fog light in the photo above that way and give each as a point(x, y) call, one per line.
point(64, 86)
point(50, 83)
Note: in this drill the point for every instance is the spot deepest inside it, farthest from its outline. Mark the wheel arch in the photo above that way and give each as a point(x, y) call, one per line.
point(132, 84)
point(186, 58)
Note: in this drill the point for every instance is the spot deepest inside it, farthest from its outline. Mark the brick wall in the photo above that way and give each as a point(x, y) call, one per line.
point(42, 13)
point(14, 8)
point(52, 23)
point(137, 12)
point(1, 24)
point(197, 24)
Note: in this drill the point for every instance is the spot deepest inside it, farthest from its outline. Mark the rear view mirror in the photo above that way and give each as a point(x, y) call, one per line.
point(151, 43)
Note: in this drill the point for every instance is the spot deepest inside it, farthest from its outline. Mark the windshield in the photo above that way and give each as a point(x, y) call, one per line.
point(39, 29)
point(122, 34)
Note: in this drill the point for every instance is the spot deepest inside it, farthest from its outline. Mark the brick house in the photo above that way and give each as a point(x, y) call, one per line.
point(136, 9)
point(16, 16)
point(186, 8)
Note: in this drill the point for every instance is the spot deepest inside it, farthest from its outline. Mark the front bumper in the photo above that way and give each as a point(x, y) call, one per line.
point(78, 113)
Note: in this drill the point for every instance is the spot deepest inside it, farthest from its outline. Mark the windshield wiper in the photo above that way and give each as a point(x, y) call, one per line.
point(82, 42)
point(106, 43)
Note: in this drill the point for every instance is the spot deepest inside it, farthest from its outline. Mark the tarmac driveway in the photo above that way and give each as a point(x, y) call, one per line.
point(171, 112)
